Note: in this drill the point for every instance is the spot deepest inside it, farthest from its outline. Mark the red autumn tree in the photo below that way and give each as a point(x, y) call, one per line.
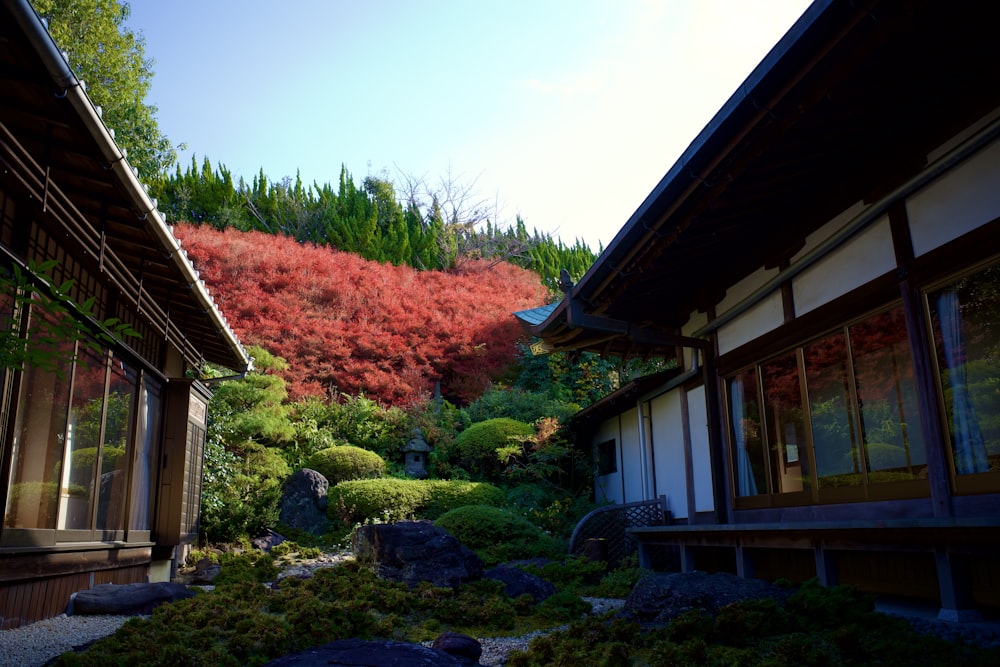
point(354, 326)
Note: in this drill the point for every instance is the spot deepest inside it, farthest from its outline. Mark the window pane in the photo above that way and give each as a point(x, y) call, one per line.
point(749, 456)
point(783, 419)
point(894, 444)
point(143, 468)
point(113, 483)
point(838, 460)
point(966, 317)
point(81, 461)
point(37, 444)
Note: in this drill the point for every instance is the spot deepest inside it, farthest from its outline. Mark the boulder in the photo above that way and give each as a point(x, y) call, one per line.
point(657, 598)
point(416, 551)
point(465, 648)
point(267, 540)
point(517, 582)
point(127, 599)
point(303, 502)
point(205, 572)
point(360, 653)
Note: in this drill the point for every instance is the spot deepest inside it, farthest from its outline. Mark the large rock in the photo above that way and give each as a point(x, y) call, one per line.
point(267, 540)
point(517, 582)
point(127, 599)
point(416, 551)
point(303, 502)
point(360, 653)
point(465, 648)
point(657, 598)
point(205, 572)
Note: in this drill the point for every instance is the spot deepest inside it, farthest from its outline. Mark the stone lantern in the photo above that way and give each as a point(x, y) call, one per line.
point(415, 451)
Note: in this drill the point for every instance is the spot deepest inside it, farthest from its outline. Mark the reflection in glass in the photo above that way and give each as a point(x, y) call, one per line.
point(750, 456)
point(966, 317)
point(83, 438)
point(143, 465)
point(114, 456)
point(784, 425)
point(887, 396)
point(838, 460)
point(37, 444)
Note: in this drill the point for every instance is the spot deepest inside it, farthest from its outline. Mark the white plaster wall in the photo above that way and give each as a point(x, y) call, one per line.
point(701, 461)
point(864, 257)
point(763, 317)
point(668, 451)
point(695, 321)
point(829, 229)
point(957, 202)
point(744, 288)
point(608, 488)
point(632, 458)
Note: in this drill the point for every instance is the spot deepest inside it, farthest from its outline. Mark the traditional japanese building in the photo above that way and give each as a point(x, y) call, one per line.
point(823, 263)
point(101, 449)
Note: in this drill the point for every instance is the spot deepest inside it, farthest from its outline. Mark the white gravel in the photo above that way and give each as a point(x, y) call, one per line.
point(35, 644)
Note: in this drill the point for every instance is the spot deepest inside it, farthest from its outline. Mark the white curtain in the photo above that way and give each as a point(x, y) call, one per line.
point(970, 450)
point(148, 423)
point(745, 482)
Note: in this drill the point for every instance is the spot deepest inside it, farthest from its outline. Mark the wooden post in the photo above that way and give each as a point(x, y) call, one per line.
point(955, 588)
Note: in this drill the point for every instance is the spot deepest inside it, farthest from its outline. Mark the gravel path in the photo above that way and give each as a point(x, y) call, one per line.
point(35, 644)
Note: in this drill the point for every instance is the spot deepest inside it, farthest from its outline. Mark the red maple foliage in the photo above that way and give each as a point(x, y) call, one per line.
point(349, 325)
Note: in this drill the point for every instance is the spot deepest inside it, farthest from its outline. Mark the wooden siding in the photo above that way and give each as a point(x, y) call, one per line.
point(30, 601)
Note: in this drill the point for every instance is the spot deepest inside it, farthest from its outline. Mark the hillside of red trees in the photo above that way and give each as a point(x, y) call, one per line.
point(349, 325)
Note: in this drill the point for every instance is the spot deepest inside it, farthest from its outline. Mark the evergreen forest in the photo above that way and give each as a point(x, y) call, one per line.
point(405, 224)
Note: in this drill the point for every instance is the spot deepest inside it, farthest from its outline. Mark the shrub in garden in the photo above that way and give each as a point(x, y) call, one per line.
point(499, 535)
point(392, 499)
point(448, 494)
point(516, 403)
point(241, 491)
point(342, 463)
point(475, 448)
point(752, 633)
point(386, 499)
point(247, 624)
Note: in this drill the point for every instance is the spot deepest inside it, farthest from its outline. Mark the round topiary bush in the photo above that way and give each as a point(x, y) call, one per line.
point(475, 448)
point(385, 499)
point(392, 499)
point(446, 495)
point(342, 463)
point(499, 535)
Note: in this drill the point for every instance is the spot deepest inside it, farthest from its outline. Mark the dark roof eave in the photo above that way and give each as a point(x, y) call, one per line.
point(230, 352)
point(718, 133)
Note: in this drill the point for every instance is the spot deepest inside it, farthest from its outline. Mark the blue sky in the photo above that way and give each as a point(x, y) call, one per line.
point(567, 112)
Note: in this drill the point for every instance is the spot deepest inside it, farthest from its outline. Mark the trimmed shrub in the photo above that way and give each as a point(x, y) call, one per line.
point(392, 499)
point(475, 448)
point(446, 495)
point(342, 463)
point(386, 499)
point(499, 535)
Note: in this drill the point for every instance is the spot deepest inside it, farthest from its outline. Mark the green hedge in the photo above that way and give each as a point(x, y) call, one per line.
point(499, 535)
point(342, 463)
point(392, 499)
